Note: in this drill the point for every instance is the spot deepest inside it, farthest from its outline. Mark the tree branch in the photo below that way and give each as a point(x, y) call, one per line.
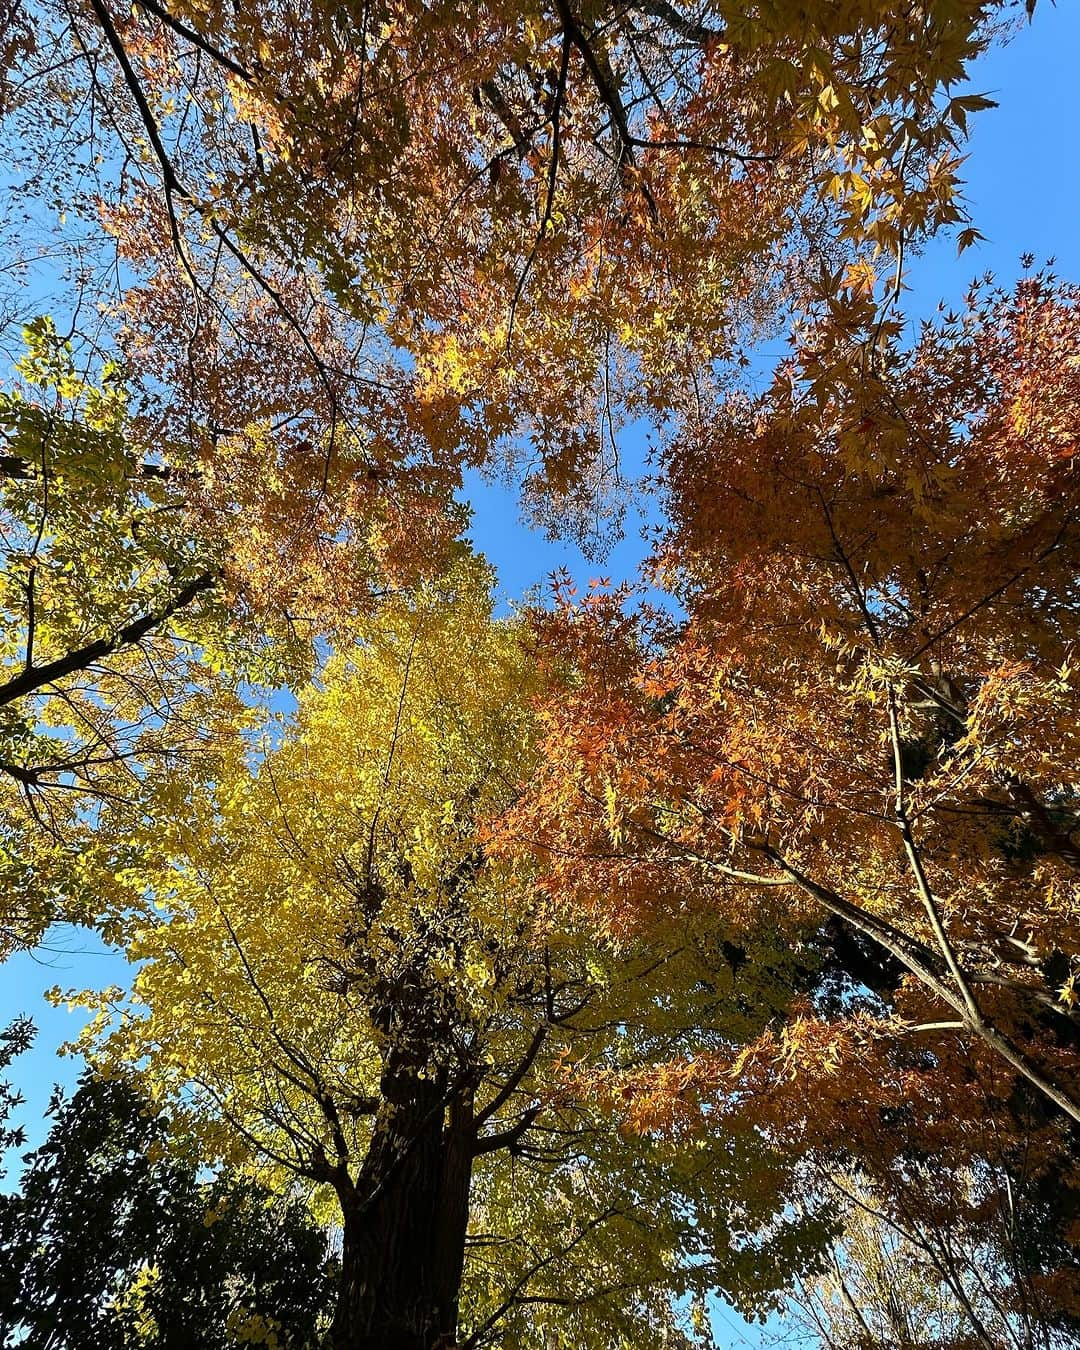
point(37, 677)
point(510, 1086)
point(506, 1138)
point(690, 29)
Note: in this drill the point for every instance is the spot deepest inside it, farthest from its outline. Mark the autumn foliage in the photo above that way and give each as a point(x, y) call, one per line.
point(715, 931)
point(858, 733)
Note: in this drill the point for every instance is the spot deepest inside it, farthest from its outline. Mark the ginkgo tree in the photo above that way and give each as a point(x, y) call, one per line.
point(350, 993)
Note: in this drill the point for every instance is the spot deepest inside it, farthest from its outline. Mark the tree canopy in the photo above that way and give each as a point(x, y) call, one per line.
point(711, 932)
point(353, 993)
point(861, 732)
point(111, 1242)
point(364, 246)
point(908, 745)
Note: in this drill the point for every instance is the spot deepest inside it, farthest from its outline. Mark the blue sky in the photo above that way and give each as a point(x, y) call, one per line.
point(1023, 176)
point(1023, 190)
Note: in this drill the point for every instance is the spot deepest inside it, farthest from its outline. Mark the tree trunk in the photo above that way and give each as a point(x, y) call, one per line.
point(404, 1222)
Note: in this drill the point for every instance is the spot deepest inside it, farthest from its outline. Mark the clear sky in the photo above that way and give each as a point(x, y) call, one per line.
point(1023, 177)
point(1023, 190)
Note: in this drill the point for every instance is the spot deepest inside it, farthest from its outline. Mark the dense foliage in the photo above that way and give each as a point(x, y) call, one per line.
point(109, 1242)
point(715, 932)
point(351, 992)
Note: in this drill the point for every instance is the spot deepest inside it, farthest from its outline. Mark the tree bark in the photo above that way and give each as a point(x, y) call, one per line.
point(404, 1222)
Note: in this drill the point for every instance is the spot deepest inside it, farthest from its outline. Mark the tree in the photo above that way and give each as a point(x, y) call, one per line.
point(375, 243)
point(336, 296)
point(868, 717)
point(112, 1242)
point(114, 619)
point(348, 990)
point(959, 1264)
point(15, 1039)
point(862, 729)
point(829, 806)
